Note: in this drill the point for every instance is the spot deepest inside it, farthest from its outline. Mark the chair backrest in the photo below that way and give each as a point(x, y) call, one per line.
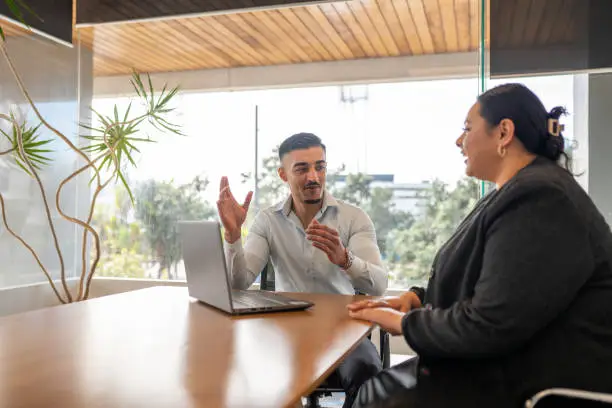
point(266, 281)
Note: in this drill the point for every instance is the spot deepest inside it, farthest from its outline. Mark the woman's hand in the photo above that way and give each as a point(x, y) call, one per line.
point(387, 318)
point(404, 303)
point(386, 312)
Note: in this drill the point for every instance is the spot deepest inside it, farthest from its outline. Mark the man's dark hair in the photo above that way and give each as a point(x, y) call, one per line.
point(299, 141)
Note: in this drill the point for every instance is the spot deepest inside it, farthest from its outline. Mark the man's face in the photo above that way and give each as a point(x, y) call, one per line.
point(305, 170)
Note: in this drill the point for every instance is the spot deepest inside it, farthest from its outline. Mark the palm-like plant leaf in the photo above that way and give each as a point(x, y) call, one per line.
point(120, 131)
point(157, 107)
point(34, 147)
point(119, 137)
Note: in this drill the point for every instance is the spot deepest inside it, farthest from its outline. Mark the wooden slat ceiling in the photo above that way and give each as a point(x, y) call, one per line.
point(324, 32)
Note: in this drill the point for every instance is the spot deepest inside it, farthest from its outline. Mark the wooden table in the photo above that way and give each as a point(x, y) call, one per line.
point(159, 348)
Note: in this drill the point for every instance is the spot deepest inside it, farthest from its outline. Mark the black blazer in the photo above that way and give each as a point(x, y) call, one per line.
point(520, 297)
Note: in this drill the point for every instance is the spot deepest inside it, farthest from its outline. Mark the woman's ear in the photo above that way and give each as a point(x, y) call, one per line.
point(506, 131)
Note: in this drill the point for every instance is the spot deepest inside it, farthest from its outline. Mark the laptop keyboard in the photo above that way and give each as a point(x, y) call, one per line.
point(248, 299)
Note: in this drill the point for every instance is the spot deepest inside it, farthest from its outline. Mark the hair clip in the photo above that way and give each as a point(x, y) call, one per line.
point(554, 128)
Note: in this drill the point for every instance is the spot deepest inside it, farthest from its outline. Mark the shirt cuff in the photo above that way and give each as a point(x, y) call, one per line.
point(234, 247)
point(357, 268)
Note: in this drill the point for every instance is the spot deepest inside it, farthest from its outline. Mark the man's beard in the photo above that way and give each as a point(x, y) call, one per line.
point(312, 200)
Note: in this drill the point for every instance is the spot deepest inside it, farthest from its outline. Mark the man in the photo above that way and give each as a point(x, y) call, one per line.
point(315, 243)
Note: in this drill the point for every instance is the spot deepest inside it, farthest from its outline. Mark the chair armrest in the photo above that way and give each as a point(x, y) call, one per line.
point(569, 393)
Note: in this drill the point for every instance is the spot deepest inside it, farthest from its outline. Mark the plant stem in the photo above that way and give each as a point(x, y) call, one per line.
point(99, 188)
point(21, 152)
point(25, 244)
point(91, 210)
point(24, 157)
point(26, 160)
point(85, 225)
point(94, 264)
point(11, 150)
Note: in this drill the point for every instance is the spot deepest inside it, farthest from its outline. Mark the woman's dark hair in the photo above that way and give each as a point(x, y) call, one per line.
point(532, 123)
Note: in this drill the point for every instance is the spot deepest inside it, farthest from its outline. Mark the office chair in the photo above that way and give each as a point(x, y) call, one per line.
point(579, 395)
point(267, 282)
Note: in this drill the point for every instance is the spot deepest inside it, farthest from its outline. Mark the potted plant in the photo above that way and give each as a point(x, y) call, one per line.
point(110, 146)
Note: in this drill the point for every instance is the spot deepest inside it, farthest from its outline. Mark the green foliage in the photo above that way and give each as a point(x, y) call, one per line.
point(33, 146)
point(130, 248)
point(116, 133)
point(159, 206)
point(377, 202)
point(122, 264)
point(412, 250)
point(121, 245)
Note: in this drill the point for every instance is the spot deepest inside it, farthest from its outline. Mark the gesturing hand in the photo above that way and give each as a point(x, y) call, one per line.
point(327, 240)
point(232, 214)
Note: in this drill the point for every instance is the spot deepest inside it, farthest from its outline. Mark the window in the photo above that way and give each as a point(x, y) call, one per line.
point(176, 178)
point(391, 150)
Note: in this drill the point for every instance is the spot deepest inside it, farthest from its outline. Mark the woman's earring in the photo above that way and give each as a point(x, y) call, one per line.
point(501, 151)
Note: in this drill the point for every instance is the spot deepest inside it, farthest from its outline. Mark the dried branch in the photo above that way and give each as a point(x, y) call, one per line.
point(29, 248)
point(24, 157)
point(86, 225)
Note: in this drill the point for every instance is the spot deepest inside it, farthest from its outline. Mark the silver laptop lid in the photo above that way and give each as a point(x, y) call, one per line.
point(205, 268)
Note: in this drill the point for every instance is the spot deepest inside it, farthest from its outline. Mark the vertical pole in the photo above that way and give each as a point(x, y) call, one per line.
point(482, 68)
point(256, 191)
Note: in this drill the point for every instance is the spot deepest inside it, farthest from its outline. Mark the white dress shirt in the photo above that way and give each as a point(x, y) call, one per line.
point(277, 235)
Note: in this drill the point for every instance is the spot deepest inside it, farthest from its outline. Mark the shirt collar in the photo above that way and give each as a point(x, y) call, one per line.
point(285, 206)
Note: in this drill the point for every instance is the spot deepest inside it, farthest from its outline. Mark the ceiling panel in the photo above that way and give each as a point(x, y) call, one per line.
point(323, 32)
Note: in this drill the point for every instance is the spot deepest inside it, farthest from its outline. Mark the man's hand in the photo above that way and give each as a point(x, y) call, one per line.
point(404, 303)
point(232, 214)
point(327, 240)
point(388, 319)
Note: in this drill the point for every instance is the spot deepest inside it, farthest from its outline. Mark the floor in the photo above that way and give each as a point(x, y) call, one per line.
point(337, 399)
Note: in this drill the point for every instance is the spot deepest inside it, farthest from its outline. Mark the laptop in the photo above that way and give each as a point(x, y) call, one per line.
point(208, 278)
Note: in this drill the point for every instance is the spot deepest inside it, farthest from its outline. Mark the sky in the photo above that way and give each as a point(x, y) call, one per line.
point(406, 129)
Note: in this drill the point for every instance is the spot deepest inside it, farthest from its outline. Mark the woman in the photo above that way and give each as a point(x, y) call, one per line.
point(520, 297)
